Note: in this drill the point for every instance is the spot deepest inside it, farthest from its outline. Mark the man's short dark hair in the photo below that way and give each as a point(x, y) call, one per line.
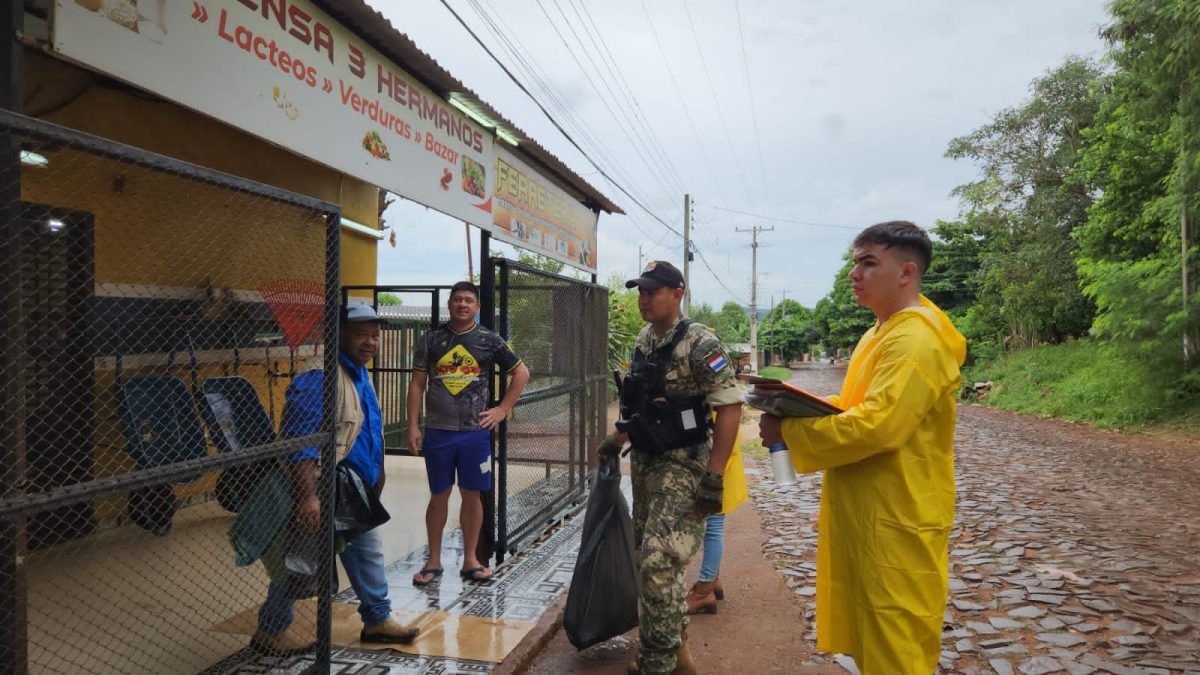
point(465, 286)
point(904, 235)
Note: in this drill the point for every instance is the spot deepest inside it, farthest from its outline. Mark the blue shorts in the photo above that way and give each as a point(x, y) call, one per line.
point(466, 453)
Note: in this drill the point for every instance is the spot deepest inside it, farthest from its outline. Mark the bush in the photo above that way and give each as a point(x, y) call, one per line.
point(1107, 384)
point(777, 372)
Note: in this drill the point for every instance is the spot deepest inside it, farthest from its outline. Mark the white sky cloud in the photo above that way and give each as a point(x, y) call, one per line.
point(855, 105)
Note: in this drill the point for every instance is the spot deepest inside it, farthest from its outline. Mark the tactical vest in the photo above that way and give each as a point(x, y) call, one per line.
point(656, 422)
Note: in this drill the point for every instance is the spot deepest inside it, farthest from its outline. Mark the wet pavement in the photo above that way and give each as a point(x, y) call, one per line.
point(1074, 550)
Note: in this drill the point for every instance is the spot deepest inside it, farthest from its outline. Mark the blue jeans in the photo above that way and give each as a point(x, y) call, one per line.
point(363, 560)
point(714, 547)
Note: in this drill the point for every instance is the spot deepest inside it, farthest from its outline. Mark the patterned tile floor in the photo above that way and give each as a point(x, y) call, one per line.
point(523, 587)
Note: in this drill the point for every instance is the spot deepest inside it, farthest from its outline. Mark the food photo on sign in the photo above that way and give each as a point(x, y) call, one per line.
point(144, 17)
point(474, 177)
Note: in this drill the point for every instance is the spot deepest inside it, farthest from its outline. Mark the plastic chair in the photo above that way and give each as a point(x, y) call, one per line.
point(234, 414)
point(236, 420)
point(161, 425)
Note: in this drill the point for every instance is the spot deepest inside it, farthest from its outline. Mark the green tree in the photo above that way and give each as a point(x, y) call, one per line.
point(1144, 163)
point(838, 319)
point(733, 323)
point(705, 314)
point(953, 279)
point(789, 330)
point(389, 299)
point(539, 261)
point(1027, 203)
point(624, 322)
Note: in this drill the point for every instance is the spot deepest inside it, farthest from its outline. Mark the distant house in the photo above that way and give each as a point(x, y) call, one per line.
point(740, 352)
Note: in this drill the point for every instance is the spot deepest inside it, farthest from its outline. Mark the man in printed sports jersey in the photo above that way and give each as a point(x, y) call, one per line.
point(452, 368)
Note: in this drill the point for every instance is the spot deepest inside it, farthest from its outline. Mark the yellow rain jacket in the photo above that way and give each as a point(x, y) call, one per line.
point(735, 491)
point(887, 504)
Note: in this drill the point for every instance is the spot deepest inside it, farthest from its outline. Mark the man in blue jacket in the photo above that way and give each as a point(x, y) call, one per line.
point(359, 438)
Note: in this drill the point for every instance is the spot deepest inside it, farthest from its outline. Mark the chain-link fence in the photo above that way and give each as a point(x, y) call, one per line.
point(152, 315)
point(559, 327)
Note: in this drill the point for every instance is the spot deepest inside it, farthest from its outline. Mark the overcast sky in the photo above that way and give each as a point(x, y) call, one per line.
point(854, 104)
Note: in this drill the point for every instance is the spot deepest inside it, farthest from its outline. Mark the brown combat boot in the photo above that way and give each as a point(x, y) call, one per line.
point(701, 603)
point(703, 596)
point(389, 631)
point(284, 644)
point(713, 586)
point(684, 665)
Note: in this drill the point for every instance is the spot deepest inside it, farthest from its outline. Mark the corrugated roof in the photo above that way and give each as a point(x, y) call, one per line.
point(373, 27)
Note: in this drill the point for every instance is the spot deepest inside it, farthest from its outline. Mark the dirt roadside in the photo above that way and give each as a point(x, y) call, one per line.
point(758, 628)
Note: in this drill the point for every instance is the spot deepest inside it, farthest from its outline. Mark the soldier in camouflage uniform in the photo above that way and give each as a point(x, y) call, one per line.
point(678, 457)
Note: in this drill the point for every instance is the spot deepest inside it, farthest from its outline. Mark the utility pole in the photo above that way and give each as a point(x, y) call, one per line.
point(687, 253)
point(470, 263)
point(783, 316)
point(774, 332)
point(1185, 235)
point(754, 291)
point(640, 265)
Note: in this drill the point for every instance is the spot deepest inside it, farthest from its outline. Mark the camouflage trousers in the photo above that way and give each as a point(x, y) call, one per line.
point(667, 532)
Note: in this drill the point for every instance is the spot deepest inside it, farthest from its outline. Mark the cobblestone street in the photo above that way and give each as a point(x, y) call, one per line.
point(1074, 550)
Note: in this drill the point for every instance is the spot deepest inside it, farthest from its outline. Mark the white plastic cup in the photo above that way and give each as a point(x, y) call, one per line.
point(781, 465)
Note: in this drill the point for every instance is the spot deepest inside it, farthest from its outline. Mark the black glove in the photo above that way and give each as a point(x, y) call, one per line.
point(710, 497)
point(609, 446)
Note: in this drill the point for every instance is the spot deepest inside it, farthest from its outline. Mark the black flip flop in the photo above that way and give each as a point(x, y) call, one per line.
point(435, 571)
point(469, 575)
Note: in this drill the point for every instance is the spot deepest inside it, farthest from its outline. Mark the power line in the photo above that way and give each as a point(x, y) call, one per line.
point(781, 220)
point(659, 243)
point(680, 97)
point(655, 171)
point(753, 109)
point(556, 100)
point(614, 70)
point(717, 102)
point(550, 117)
point(554, 96)
point(733, 296)
point(627, 122)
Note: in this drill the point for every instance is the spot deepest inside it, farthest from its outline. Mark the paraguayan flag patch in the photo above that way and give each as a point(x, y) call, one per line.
point(717, 361)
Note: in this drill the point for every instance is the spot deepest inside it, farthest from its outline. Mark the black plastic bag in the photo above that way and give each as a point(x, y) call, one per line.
point(603, 600)
point(153, 509)
point(237, 482)
point(302, 565)
point(357, 508)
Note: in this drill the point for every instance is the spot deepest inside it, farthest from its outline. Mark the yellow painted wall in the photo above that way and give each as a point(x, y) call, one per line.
point(154, 230)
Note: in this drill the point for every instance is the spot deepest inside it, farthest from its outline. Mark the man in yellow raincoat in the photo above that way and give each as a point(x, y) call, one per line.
point(887, 504)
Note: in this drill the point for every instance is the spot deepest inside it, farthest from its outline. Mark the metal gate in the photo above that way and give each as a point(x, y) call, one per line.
point(559, 327)
point(151, 313)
